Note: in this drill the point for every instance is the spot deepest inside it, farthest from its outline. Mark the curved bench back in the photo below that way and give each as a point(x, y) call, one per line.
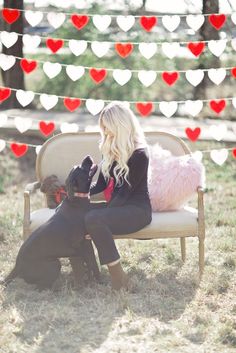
point(59, 153)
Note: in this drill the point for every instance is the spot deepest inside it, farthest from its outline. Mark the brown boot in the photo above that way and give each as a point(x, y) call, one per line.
point(119, 278)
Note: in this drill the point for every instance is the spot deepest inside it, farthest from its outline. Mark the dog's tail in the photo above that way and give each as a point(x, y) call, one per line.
point(13, 274)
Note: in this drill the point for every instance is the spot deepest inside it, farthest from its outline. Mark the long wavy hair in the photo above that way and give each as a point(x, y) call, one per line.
point(121, 134)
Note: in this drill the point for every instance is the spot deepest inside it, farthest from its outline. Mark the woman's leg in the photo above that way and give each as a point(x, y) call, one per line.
point(102, 223)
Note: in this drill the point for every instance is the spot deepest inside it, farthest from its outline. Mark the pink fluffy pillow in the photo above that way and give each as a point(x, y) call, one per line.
point(172, 180)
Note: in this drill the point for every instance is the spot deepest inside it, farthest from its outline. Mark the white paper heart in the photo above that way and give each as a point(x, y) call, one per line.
point(194, 76)
point(56, 19)
point(24, 97)
point(33, 18)
point(195, 21)
point(77, 47)
point(168, 108)
point(218, 131)
point(217, 75)
point(8, 39)
point(22, 124)
point(52, 69)
point(66, 127)
point(3, 119)
point(48, 101)
point(125, 22)
point(217, 47)
point(219, 156)
point(147, 77)
point(234, 128)
point(171, 22)
point(75, 72)
point(170, 49)
point(234, 102)
point(197, 155)
point(100, 48)
point(7, 61)
point(94, 106)
point(193, 107)
point(2, 145)
point(233, 18)
point(122, 76)
point(233, 43)
point(101, 22)
point(37, 149)
point(147, 49)
point(31, 42)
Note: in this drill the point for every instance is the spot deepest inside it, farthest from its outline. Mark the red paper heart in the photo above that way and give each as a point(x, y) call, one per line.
point(124, 50)
point(144, 108)
point(98, 75)
point(19, 149)
point(148, 22)
point(234, 152)
point(4, 94)
point(46, 128)
point(28, 66)
point(217, 21)
point(72, 103)
point(10, 15)
point(54, 44)
point(233, 72)
point(196, 48)
point(218, 106)
point(193, 134)
point(170, 77)
point(79, 21)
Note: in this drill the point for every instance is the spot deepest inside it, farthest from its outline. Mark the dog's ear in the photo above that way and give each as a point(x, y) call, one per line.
point(87, 163)
point(93, 170)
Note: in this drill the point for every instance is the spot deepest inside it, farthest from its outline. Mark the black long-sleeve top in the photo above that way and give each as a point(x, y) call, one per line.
point(136, 194)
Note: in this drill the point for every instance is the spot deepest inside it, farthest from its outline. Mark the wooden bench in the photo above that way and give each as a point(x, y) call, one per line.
point(61, 152)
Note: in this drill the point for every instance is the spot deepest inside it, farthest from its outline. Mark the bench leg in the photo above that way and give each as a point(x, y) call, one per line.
point(183, 249)
point(201, 257)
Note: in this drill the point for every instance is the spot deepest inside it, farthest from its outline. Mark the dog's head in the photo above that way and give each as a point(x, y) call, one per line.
point(80, 177)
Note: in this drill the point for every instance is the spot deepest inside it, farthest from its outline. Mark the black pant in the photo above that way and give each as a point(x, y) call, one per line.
point(102, 222)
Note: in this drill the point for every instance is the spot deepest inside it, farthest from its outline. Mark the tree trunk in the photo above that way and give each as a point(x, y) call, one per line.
point(207, 32)
point(13, 78)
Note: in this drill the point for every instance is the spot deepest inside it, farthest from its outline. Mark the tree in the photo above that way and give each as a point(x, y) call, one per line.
point(14, 77)
point(207, 32)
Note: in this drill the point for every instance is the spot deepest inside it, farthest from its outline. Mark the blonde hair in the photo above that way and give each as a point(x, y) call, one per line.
point(121, 134)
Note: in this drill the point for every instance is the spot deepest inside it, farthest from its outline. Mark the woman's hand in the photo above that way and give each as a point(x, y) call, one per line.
point(87, 236)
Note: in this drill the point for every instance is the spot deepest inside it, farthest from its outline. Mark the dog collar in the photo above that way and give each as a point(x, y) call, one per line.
point(81, 194)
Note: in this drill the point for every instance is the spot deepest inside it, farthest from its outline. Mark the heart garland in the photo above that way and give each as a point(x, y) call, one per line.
point(4, 94)
point(19, 150)
point(72, 103)
point(46, 128)
point(124, 50)
point(54, 44)
point(79, 21)
point(28, 66)
point(98, 75)
point(144, 109)
point(193, 134)
point(10, 15)
point(148, 22)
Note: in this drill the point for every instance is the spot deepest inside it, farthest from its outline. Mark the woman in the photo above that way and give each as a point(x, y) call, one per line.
point(125, 159)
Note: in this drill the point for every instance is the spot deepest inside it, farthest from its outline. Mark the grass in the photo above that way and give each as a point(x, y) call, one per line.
point(167, 310)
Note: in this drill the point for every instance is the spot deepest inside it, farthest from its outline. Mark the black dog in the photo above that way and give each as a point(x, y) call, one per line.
point(61, 236)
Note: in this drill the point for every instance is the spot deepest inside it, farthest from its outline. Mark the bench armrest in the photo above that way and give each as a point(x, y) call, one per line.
point(30, 188)
point(201, 215)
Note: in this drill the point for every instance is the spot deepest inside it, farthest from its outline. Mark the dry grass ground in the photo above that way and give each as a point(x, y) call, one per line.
point(167, 311)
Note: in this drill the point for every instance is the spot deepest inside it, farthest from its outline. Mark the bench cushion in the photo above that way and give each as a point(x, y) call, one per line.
point(177, 223)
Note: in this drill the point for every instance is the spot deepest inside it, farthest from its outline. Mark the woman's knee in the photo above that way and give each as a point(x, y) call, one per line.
point(92, 218)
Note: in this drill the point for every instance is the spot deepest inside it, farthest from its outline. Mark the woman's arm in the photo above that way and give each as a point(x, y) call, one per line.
point(137, 169)
point(99, 185)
